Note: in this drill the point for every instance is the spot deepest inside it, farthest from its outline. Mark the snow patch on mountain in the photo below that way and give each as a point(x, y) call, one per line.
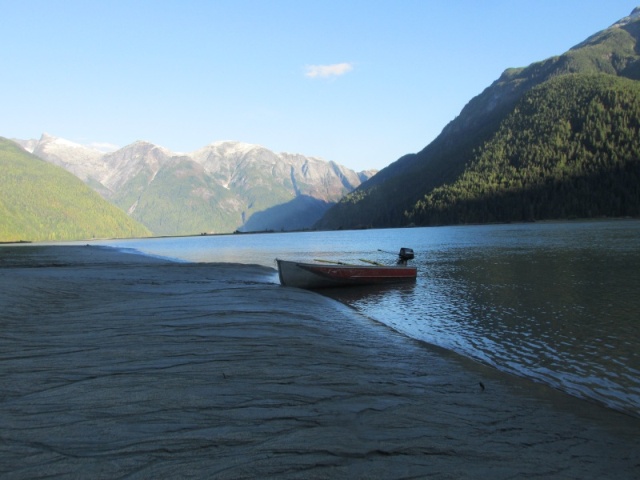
point(635, 14)
point(254, 180)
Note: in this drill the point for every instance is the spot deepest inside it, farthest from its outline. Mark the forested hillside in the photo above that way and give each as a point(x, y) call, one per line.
point(180, 199)
point(422, 188)
point(39, 202)
point(571, 148)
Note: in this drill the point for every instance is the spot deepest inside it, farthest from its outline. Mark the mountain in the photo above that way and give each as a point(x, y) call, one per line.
point(222, 187)
point(40, 201)
point(404, 192)
point(570, 149)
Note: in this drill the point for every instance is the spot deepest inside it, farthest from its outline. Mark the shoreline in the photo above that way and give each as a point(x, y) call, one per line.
point(118, 364)
point(224, 234)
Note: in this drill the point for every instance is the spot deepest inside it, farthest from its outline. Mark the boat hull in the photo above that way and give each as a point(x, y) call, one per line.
point(311, 275)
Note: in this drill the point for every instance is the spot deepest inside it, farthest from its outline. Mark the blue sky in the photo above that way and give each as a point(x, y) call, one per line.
point(357, 82)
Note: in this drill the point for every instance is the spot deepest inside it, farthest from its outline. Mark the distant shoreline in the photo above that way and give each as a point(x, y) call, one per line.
point(552, 221)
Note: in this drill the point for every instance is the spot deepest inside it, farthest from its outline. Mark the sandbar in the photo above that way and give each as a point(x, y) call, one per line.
point(115, 365)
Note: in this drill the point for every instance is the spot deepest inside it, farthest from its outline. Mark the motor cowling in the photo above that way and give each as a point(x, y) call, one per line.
point(405, 255)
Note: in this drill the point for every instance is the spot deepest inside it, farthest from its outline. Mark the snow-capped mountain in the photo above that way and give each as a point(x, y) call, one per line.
point(222, 187)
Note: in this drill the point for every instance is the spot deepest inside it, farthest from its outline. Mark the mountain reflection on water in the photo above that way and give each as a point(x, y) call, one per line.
point(554, 302)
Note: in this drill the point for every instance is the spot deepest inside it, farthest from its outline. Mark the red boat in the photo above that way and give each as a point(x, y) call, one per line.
point(338, 274)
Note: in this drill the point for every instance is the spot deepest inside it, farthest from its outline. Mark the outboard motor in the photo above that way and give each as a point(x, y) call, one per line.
point(405, 255)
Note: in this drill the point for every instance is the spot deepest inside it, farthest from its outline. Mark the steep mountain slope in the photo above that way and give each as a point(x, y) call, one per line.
point(84, 162)
point(175, 196)
point(222, 187)
point(40, 201)
point(384, 199)
point(570, 149)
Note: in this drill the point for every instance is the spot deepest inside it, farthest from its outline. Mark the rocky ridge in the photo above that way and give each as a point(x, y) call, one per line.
point(239, 186)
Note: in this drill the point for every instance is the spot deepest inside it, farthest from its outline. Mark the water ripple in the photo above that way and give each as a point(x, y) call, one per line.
point(554, 302)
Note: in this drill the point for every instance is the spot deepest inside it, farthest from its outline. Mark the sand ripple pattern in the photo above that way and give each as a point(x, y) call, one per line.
point(119, 366)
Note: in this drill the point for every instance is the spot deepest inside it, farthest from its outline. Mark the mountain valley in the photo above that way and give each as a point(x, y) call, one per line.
point(220, 188)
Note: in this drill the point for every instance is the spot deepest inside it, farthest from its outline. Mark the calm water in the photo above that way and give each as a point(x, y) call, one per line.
point(555, 302)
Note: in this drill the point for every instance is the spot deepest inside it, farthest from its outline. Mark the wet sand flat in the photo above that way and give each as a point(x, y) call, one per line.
point(115, 365)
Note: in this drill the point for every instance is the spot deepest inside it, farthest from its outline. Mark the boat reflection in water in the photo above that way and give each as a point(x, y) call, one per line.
point(372, 294)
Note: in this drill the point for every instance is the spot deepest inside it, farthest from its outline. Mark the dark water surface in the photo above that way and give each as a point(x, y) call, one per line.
point(555, 302)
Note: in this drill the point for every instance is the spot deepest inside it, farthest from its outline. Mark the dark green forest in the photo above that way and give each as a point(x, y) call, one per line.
point(553, 159)
point(570, 149)
point(40, 201)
